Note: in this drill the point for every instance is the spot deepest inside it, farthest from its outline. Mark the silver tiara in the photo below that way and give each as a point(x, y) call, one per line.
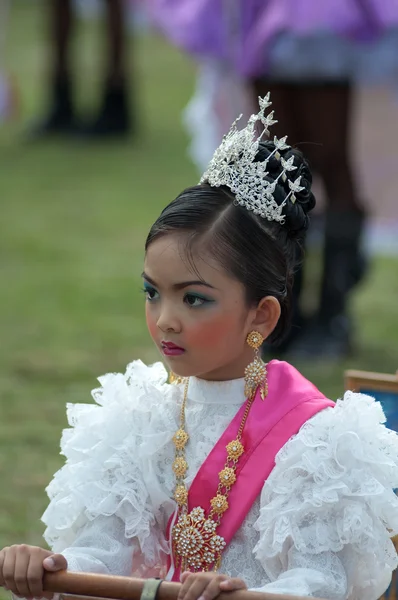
point(233, 165)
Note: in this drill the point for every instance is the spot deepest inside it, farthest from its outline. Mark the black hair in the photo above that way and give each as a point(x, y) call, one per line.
point(261, 254)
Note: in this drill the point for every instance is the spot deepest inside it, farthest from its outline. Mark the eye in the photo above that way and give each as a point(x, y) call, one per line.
point(150, 293)
point(193, 300)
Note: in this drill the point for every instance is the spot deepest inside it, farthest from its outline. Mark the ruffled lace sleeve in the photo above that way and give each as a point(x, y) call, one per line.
point(328, 509)
point(109, 499)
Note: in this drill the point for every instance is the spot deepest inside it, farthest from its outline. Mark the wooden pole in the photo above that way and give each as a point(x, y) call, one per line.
point(128, 588)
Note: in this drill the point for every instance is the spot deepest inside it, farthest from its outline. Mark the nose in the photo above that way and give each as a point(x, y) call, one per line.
point(168, 320)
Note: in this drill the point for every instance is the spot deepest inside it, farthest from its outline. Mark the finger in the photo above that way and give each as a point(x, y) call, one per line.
point(212, 590)
point(233, 583)
point(35, 574)
point(8, 570)
point(2, 558)
point(197, 587)
point(22, 558)
point(186, 579)
point(191, 579)
point(185, 585)
point(55, 562)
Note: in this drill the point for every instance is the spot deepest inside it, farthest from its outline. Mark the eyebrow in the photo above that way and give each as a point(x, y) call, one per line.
point(181, 285)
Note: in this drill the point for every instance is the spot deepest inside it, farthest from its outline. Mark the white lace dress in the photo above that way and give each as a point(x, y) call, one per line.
point(320, 527)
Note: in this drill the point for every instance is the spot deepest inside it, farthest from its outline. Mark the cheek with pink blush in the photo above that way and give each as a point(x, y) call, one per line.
point(151, 323)
point(208, 334)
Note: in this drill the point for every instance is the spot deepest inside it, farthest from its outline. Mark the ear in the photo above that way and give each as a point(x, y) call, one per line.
point(266, 316)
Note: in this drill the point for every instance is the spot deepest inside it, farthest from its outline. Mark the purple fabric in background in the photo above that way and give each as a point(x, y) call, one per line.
point(197, 26)
point(243, 31)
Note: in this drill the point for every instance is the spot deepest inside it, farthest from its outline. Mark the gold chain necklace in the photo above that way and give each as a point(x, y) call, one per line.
point(196, 545)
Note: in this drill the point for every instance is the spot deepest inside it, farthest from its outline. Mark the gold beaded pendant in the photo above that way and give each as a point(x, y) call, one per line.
point(196, 544)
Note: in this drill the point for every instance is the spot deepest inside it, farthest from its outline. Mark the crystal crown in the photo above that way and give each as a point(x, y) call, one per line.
point(233, 165)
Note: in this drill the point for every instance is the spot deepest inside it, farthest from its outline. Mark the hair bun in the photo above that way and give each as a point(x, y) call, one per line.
point(296, 213)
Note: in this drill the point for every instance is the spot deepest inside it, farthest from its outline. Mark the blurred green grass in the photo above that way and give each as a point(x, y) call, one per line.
point(73, 221)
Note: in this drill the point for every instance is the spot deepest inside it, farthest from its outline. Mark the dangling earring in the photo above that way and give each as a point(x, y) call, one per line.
point(256, 371)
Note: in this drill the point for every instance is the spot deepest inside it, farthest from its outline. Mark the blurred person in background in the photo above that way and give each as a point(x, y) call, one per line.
point(310, 55)
point(114, 116)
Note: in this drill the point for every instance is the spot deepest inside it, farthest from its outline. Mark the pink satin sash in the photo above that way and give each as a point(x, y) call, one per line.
point(290, 402)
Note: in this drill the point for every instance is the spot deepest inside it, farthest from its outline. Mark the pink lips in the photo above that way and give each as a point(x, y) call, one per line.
point(170, 349)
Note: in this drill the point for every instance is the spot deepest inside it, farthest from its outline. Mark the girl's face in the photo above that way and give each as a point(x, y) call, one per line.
point(200, 323)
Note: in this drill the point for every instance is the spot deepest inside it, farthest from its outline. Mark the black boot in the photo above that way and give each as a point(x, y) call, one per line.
point(61, 118)
point(114, 117)
point(344, 266)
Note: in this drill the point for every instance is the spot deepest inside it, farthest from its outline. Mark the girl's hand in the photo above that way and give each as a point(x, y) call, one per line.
point(207, 586)
point(22, 569)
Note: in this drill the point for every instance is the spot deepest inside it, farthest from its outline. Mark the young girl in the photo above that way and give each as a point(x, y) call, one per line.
point(238, 474)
